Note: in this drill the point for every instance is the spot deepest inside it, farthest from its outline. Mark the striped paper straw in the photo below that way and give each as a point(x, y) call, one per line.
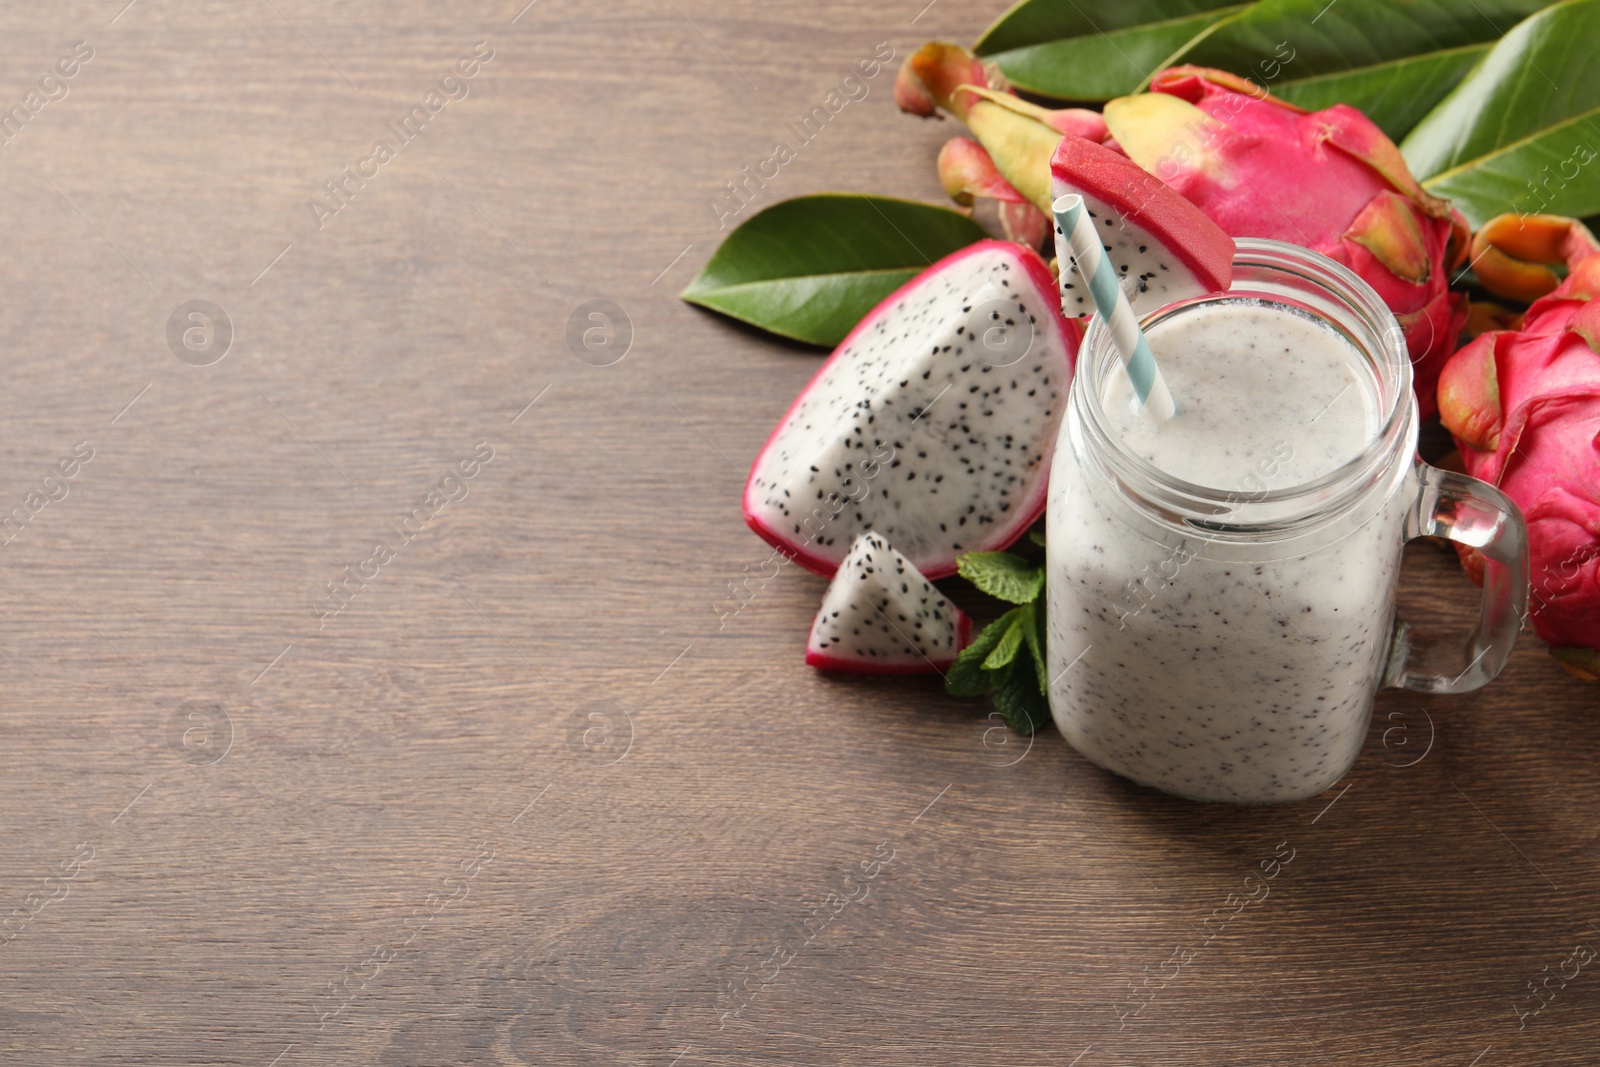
point(1078, 247)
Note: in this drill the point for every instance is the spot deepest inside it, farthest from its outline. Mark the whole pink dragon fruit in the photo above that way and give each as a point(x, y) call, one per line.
point(1330, 180)
point(1524, 407)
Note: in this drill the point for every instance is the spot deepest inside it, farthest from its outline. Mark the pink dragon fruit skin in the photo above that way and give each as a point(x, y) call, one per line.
point(967, 172)
point(1524, 407)
point(1016, 136)
point(1329, 180)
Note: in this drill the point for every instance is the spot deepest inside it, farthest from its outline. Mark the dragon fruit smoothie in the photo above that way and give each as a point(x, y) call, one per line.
point(1200, 669)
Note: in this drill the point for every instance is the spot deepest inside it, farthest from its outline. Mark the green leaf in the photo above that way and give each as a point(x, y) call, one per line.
point(1010, 641)
point(1521, 132)
point(1392, 60)
point(1097, 62)
point(1019, 700)
point(1002, 575)
point(1036, 535)
point(1036, 644)
point(966, 677)
point(1530, 175)
point(1395, 95)
point(1036, 21)
point(811, 267)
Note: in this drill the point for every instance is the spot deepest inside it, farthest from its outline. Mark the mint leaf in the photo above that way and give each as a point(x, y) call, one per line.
point(1017, 623)
point(1036, 535)
point(1036, 643)
point(966, 677)
point(1007, 660)
point(1020, 702)
point(1002, 575)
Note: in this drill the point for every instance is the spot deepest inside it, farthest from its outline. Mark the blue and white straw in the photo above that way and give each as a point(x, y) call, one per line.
point(1078, 247)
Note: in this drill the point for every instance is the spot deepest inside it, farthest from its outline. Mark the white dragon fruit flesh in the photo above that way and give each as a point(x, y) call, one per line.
point(931, 424)
point(881, 616)
point(1162, 248)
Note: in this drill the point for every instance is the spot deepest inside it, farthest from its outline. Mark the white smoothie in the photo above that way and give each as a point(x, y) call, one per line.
point(1219, 678)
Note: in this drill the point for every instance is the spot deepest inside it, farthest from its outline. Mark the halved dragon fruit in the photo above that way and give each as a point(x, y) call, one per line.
point(932, 423)
point(882, 616)
point(1163, 248)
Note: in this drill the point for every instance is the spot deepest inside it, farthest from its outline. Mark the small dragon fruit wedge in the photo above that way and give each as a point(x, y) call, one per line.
point(931, 424)
point(881, 616)
point(1163, 248)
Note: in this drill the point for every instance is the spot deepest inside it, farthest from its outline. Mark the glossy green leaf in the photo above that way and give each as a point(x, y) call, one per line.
point(1553, 173)
point(1034, 22)
point(1393, 59)
point(811, 267)
point(1522, 131)
point(1395, 95)
point(1103, 62)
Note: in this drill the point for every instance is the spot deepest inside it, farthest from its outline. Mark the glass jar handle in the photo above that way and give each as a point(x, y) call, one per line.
point(1473, 513)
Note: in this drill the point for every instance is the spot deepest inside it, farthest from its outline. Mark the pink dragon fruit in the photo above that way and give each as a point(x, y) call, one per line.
point(931, 424)
point(1329, 180)
point(1524, 408)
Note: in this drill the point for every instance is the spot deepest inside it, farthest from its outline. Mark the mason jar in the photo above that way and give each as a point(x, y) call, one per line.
point(1226, 642)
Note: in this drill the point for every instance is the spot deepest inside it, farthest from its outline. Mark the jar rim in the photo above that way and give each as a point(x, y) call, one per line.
point(1367, 323)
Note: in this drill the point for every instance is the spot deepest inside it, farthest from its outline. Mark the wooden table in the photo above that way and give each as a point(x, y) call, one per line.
point(513, 794)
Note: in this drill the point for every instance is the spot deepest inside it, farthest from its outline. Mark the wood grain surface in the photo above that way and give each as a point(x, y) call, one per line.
point(524, 798)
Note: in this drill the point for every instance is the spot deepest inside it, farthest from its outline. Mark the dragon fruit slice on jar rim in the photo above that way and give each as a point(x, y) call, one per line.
point(1161, 247)
point(1524, 408)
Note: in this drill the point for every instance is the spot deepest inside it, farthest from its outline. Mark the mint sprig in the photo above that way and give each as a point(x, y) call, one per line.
point(1006, 660)
point(1002, 575)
